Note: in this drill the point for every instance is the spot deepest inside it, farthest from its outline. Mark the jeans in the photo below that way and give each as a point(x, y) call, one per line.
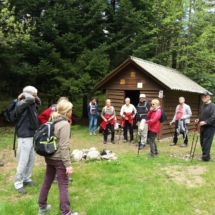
point(153, 146)
point(125, 132)
point(93, 120)
point(54, 167)
point(25, 159)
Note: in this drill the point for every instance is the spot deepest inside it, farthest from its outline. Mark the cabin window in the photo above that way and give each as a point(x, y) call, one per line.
point(132, 74)
point(122, 81)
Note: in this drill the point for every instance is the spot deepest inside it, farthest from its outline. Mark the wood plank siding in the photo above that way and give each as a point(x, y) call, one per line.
point(131, 82)
point(170, 101)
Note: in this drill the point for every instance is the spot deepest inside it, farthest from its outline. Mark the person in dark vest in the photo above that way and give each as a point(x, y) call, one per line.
point(206, 121)
point(143, 108)
point(182, 112)
point(128, 112)
point(93, 116)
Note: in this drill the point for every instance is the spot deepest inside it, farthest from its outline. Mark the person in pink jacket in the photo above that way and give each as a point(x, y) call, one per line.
point(153, 122)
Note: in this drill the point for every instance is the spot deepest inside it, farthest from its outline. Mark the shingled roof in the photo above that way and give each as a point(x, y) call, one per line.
point(169, 77)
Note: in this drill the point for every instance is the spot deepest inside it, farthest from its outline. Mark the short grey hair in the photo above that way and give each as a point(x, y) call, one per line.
point(181, 98)
point(108, 100)
point(30, 89)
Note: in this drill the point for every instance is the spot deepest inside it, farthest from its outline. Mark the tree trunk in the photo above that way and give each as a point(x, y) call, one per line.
point(84, 107)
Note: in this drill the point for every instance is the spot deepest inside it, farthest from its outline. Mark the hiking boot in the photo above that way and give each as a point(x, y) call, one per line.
point(44, 210)
point(124, 141)
point(172, 144)
point(112, 141)
point(1, 164)
point(151, 155)
point(21, 190)
point(183, 145)
point(141, 146)
point(30, 184)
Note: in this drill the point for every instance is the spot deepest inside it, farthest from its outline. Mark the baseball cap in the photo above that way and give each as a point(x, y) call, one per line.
point(206, 93)
point(142, 96)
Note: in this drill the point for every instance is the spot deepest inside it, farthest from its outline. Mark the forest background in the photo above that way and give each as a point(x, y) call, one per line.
point(64, 47)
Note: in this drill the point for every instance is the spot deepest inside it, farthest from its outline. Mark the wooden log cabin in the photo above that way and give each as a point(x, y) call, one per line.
point(136, 76)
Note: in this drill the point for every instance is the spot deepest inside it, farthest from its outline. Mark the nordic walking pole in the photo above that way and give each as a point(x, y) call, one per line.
point(191, 149)
point(195, 147)
point(120, 127)
point(138, 151)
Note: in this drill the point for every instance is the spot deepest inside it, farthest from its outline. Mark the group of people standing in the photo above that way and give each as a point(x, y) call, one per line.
point(147, 117)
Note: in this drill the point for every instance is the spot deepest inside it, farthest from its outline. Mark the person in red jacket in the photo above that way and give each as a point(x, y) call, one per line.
point(153, 122)
point(45, 115)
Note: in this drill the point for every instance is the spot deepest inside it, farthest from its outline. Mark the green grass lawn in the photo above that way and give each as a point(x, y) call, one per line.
point(133, 185)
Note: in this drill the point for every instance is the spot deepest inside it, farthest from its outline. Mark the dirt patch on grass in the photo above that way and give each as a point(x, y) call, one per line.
point(189, 176)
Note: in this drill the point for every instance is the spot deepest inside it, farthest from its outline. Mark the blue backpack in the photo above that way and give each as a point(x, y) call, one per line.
point(163, 116)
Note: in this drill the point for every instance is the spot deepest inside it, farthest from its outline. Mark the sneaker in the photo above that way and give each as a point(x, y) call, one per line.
point(124, 141)
point(44, 210)
point(30, 184)
point(94, 134)
point(70, 179)
point(151, 155)
point(21, 190)
point(105, 142)
point(90, 134)
point(55, 181)
point(1, 164)
point(132, 141)
point(172, 144)
point(183, 145)
point(112, 141)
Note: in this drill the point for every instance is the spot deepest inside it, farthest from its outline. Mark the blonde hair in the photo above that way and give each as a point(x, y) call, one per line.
point(62, 108)
point(155, 101)
point(62, 98)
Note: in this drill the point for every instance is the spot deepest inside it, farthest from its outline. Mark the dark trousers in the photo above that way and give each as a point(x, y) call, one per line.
point(110, 128)
point(153, 146)
point(55, 167)
point(175, 138)
point(206, 139)
point(125, 131)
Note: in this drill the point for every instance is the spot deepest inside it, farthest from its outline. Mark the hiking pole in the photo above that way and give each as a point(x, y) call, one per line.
point(120, 127)
point(138, 151)
point(195, 147)
point(194, 134)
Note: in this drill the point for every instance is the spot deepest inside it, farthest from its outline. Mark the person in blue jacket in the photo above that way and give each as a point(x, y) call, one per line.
point(93, 116)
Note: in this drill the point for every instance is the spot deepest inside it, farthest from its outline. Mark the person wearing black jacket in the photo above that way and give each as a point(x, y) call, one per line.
point(27, 123)
point(206, 121)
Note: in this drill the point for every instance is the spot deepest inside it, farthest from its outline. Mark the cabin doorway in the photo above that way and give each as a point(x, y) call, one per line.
point(133, 95)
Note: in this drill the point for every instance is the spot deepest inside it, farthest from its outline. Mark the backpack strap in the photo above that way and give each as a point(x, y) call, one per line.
point(14, 141)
